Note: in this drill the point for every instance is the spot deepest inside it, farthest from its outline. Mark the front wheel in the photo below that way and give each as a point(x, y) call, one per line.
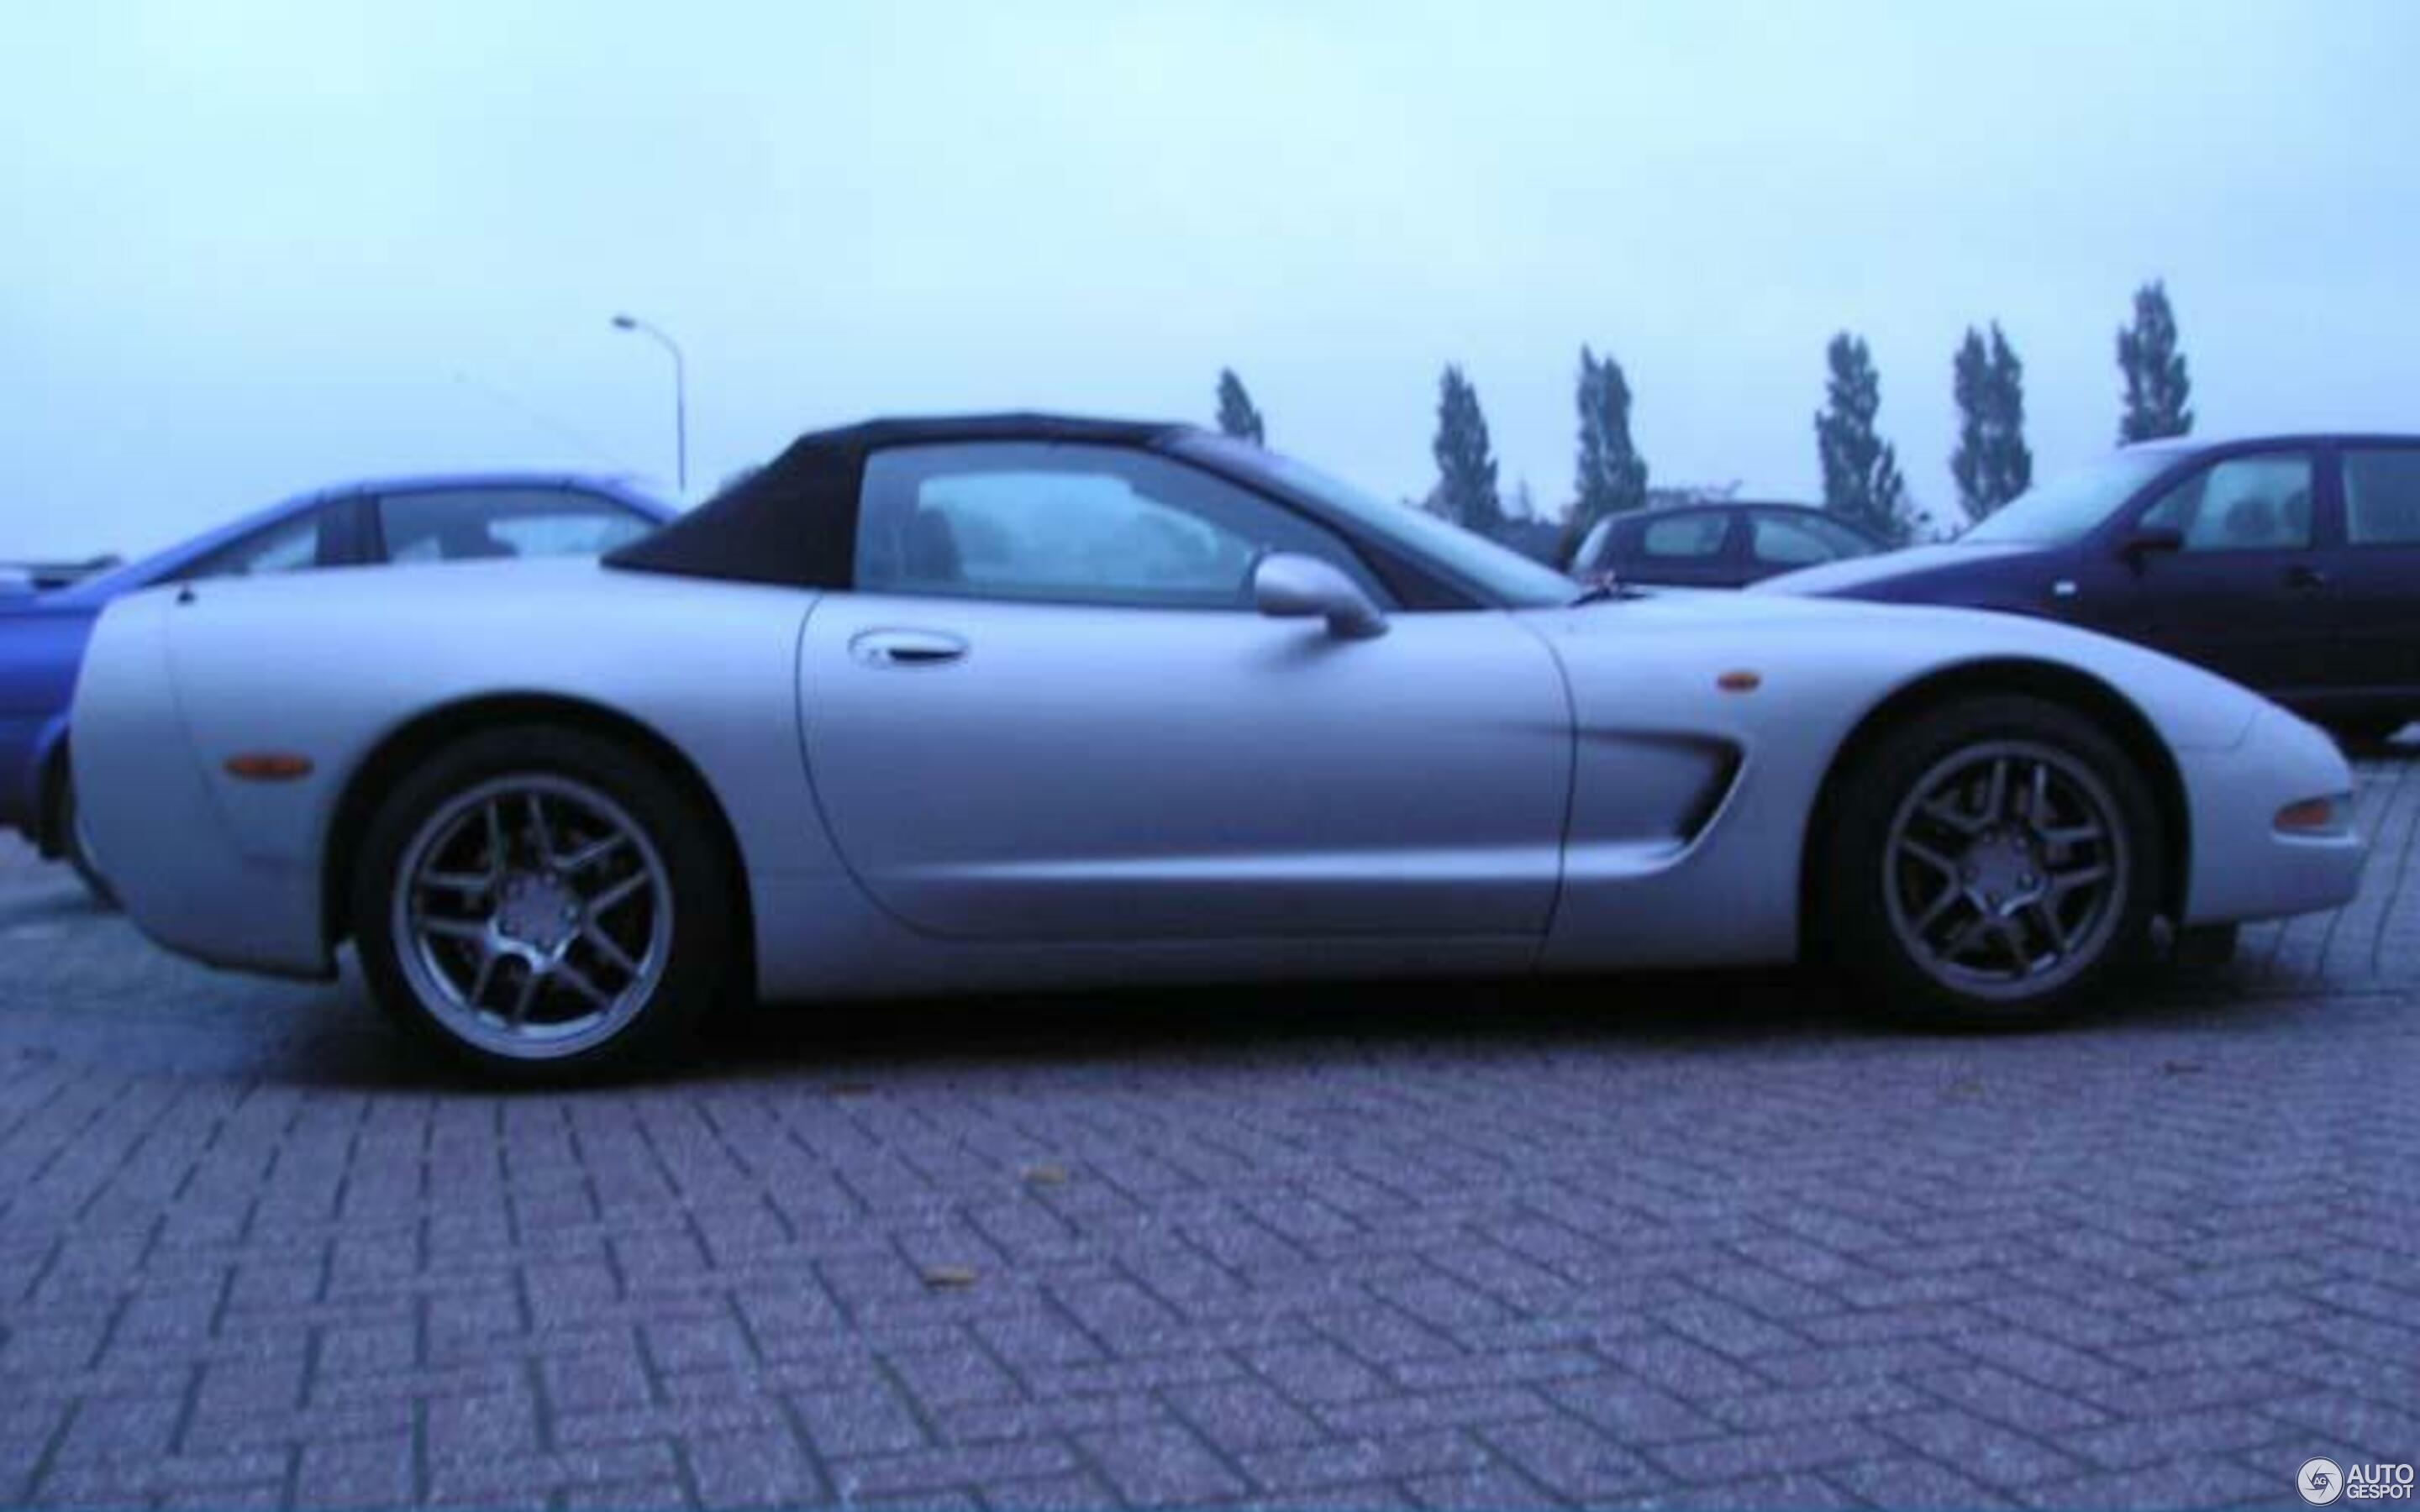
point(1988, 861)
point(543, 904)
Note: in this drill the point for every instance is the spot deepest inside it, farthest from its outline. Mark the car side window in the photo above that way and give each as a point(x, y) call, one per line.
point(1685, 537)
point(472, 524)
point(2381, 490)
point(2261, 502)
point(1795, 541)
point(1071, 524)
point(297, 545)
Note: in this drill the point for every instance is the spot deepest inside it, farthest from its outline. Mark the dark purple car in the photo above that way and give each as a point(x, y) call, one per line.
point(2290, 564)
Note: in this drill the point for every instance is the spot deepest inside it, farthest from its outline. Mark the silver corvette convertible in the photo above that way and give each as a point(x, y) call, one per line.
point(1017, 701)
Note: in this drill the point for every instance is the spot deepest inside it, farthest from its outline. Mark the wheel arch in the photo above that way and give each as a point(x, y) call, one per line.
point(2088, 695)
point(396, 754)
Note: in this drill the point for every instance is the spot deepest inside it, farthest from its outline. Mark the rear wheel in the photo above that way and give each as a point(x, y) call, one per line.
point(543, 904)
point(1989, 861)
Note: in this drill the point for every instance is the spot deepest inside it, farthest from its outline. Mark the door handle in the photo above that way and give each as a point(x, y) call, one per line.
point(2302, 575)
point(906, 648)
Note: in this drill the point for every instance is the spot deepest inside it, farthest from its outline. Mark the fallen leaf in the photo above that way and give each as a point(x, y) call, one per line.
point(1047, 1175)
point(949, 1277)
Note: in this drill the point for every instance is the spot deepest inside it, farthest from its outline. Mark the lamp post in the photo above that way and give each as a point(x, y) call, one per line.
point(680, 394)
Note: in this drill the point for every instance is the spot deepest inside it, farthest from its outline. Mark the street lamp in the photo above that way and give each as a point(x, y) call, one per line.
point(680, 394)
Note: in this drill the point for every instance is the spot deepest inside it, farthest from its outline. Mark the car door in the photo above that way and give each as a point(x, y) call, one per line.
point(2245, 592)
point(2376, 573)
point(1048, 711)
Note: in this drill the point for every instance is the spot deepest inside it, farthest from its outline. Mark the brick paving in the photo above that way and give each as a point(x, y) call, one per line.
point(1674, 1241)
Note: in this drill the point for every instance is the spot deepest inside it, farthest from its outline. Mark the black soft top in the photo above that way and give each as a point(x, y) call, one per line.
point(795, 521)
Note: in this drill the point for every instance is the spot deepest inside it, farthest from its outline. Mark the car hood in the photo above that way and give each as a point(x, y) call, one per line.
point(1860, 577)
point(1857, 652)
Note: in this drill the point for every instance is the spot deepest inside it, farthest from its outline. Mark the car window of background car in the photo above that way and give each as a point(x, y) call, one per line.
point(2382, 497)
point(1070, 524)
point(2064, 509)
point(1684, 537)
point(472, 524)
point(1800, 541)
point(2243, 503)
point(289, 545)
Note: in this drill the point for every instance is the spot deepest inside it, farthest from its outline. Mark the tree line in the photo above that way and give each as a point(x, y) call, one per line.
point(1990, 463)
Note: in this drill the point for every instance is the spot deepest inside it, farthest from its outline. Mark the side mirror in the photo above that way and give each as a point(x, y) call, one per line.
point(2149, 540)
point(1288, 586)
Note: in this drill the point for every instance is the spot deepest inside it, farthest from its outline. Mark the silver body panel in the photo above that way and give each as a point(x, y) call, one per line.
point(954, 794)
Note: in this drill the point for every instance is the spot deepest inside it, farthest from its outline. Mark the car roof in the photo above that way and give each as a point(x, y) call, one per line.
point(794, 520)
point(142, 571)
point(2254, 440)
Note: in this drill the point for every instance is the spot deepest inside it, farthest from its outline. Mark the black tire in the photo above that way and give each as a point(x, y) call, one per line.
point(689, 871)
point(67, 835)
point(1864, 883)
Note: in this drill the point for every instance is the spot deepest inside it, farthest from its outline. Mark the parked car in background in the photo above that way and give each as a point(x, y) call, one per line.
point(445, 518)
point(2290, 564)
point(1727, 545)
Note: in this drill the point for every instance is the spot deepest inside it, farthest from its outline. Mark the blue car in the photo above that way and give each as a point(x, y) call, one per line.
point(397, 520)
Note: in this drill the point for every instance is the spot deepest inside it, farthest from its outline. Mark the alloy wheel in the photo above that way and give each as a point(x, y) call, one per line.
point(533, 915)
point(2007, 869)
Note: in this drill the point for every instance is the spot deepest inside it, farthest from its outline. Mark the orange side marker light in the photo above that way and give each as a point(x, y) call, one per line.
point(269, 766)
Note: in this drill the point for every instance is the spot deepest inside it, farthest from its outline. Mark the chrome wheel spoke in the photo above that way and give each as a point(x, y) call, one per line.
point(1944, 811)
point(2063, 883)
point(478, 993)
point(1917, 850)
point(539, 840)
point(576, 979)
point(530, 980)
point(2046, 918)
point(592, 852)
point(620, 892)
point(469, 881)
point(471, 932)
point(603, 944)
point(1938, 909)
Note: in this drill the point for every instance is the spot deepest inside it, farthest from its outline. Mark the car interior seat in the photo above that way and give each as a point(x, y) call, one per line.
point(931, 550)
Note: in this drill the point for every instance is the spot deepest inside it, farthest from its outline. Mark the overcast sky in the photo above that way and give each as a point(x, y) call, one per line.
point(251, 248)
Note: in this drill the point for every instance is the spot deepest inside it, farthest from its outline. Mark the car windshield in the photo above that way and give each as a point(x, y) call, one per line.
point(2067, 508)
point(1496, 573)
